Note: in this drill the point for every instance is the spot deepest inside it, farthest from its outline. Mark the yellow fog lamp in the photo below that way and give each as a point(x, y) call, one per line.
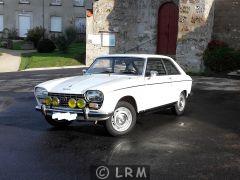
point(48, 101)
point(55, 101)
point(81, 103)
point(72, 103)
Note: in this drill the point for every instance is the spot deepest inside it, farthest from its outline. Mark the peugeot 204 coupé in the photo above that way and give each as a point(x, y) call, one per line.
point(114, 90)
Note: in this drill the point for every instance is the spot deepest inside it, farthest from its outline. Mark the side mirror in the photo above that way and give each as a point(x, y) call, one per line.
point(153, 74)
point(84, 71)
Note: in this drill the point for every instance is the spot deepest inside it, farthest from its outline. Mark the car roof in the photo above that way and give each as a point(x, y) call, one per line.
point(135, 55)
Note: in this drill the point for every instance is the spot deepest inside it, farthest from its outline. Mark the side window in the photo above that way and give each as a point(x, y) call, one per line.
point(120, 66)
point(155, 65)
point(170, 67)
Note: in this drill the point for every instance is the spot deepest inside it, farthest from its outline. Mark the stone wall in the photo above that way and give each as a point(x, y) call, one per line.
point(227, 22)
point(134, 22)
point(195, 32)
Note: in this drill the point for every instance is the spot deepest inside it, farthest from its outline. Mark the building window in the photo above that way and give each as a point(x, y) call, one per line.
point(24, 2)
point(56, 3)
point(80, 24)
point(56, 24)
point(78, 3)
point(1, 23)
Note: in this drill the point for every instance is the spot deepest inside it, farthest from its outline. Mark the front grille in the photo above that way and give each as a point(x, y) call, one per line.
point(64, 98)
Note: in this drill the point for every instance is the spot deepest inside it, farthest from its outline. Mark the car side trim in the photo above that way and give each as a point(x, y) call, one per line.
point(153, 84)
point(157, 108)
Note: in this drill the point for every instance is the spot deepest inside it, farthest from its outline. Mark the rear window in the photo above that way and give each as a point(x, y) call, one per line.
point(170, 67)
point(155, 64)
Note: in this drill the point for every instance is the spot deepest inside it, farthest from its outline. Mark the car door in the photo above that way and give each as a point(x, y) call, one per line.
point(175, 77)
point(158, 87)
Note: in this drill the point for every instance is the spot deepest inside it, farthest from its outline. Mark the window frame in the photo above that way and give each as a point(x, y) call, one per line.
point(75, 4)
point(179, 73)
point(75, 24)
point(55, 4)
point(61, 24)
point(27, 2)
point(152, 58)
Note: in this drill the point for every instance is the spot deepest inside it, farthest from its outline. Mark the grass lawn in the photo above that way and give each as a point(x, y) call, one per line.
point(55, 59)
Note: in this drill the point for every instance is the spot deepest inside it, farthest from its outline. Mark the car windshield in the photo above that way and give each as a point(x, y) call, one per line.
point(117, 65)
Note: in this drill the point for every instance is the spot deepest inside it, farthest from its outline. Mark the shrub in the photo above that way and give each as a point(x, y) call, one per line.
point(46, 46)
point(62, 43)
point(17, 45)
point(71, 34)
point(34, 35)
point(5, 33)
point(80, 57)
point(66, 39)
point(216, 44)
point(221, 58)
point(12, 34)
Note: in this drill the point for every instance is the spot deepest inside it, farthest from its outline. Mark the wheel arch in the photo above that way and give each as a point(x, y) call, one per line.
point(131, 100)
point(185, 92)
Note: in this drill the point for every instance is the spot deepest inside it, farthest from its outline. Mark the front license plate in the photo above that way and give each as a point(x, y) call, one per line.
point(64, 116)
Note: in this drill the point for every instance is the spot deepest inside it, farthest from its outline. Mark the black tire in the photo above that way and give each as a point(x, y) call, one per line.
point(109, 124)
point(57, 123)
point(177, 108)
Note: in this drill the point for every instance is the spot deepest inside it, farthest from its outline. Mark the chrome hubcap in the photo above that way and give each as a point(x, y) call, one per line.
point(122, 119)
point(181, 103)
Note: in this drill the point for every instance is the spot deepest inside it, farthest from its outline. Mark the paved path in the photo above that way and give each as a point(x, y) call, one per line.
point(10, 60)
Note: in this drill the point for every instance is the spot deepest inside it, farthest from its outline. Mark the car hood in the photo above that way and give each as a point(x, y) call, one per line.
point(80, 84)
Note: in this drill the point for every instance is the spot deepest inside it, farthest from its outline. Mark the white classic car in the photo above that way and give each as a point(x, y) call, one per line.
point(114, 90)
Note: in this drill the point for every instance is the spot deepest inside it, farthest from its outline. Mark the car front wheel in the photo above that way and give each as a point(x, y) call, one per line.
point(123, 119)
point(179, 106)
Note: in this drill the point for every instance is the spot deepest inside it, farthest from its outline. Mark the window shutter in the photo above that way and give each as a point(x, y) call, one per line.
point(1, 23)
point(56, 24)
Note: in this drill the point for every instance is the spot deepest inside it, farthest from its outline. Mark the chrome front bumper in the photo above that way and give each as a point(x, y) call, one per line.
point(84, 114)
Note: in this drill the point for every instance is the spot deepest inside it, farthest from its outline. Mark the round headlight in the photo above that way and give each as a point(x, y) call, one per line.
point(47, 101)
point(55, 101)
point(41, 92)
point(81, 103)
point(94, 96)
point(72, 103)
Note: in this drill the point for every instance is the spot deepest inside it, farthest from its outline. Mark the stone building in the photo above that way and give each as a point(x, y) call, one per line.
point(54, 15)
point(179, 28)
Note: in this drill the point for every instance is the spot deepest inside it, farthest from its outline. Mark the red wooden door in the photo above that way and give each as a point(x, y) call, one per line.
point(167, 29)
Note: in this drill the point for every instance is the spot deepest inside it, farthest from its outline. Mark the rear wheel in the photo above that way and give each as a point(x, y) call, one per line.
point(123, 119)
point(57, 123)
point(180, 106)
